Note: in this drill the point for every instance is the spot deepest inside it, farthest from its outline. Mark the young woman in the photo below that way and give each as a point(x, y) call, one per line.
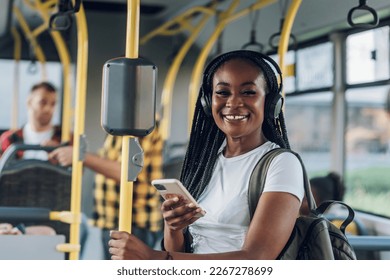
point(237, 119)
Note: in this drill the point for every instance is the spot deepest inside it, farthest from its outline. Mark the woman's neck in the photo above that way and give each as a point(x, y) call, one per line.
point(235, 147)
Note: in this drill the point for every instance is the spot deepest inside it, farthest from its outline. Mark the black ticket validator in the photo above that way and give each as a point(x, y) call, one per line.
point(129, 96)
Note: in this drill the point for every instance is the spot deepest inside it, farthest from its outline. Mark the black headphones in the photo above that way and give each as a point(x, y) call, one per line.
point(273, 100)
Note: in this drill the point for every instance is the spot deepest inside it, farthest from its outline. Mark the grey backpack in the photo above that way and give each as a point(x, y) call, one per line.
point(314, 237)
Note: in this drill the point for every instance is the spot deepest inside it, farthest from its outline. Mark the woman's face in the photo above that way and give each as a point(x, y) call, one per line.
point(238, 100)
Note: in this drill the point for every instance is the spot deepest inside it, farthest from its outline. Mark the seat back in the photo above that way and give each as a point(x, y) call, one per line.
point(31, 247)
point(35, 183)
point(356, 228)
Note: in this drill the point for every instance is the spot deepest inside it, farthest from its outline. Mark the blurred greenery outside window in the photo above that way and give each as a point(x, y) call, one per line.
point(367, 139)
point(367, 136)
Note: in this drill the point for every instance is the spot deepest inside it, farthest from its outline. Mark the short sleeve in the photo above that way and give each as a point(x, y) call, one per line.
point(285, 175)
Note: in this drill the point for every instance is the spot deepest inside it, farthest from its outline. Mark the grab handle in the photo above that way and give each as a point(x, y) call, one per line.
point(66, 9)
point(273, 43)
point(363, 7)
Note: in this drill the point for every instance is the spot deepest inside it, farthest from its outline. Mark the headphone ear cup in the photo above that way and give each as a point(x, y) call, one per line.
point(273, 106)
point(205, 101)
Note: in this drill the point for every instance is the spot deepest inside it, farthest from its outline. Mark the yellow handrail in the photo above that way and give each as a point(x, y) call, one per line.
point(176, 25)
point(226, 18)
point(17, 56)
point(285, 34)
point(31, 38)
point(126, 187)
point(79, 127)
point(63, 53)
point(167, 93)
point(44, 10)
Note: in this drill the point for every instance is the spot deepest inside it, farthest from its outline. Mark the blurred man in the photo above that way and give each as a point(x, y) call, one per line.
point(39, 129)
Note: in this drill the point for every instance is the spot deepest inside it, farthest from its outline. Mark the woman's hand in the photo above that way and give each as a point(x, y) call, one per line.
point(125, 246)
point(178, 213)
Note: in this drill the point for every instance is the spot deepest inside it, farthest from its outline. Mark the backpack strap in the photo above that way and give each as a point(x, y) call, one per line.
point(259, 174)
point(327, 203)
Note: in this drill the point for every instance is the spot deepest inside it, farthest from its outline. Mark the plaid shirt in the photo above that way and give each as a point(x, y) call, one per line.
point(16, 136)
point(146, 200)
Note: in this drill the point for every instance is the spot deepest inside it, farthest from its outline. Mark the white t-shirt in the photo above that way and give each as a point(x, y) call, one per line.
point(225, 199)
point(32, 137)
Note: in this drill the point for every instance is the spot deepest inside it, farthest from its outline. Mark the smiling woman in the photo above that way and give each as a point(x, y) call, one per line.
point(237, 119)
point(238, 105)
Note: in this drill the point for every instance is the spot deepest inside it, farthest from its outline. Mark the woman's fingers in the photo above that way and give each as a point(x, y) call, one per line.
point(182, 221)
point(177, 206)
point(178, 212)
point(125, 246)
point(171, 203)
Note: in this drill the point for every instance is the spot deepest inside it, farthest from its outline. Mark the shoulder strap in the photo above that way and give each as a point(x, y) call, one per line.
point(259, 174)
point(257, 179)
point(327, 203)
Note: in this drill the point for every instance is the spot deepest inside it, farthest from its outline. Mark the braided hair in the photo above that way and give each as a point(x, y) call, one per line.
point(206, 138)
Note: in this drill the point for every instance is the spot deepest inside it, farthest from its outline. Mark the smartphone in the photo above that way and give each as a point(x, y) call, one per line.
point(174, 186)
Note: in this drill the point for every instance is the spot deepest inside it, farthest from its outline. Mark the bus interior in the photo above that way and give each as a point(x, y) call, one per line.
point(335, 64)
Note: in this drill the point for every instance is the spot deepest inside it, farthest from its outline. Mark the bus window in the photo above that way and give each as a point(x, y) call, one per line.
point(310, 129)
point(368, 56)
point(368, 150)
point(315, 67)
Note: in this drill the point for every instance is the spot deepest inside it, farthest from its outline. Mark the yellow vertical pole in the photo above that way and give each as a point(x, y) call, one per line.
point(17, 56)
point(77, 164)
point(285, 34)
point(166, 99)
point(65, 59)
point(126, 187)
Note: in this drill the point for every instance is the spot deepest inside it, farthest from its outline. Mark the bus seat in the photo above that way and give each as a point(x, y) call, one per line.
point(352, 228)
point(355, 228)
point(36, 183)
point(31, 247)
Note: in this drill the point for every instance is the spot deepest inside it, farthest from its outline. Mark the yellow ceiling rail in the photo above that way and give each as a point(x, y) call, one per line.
point(15, 96)
point(39, 30)
point(32, 40)
point(167, 93)
point(46, 5)
point(285, 34)
point(79, 126)
point(49, 3)
point(225, 18)
point(176, 25)
point(63, 53)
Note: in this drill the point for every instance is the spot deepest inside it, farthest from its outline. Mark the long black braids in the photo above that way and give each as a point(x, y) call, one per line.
point(206, 138)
